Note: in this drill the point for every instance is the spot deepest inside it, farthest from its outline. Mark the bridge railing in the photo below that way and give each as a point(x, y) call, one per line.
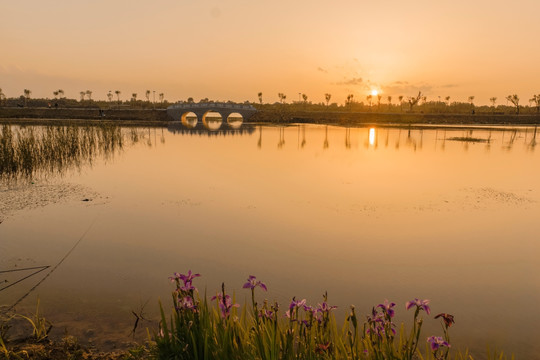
point(215, 105)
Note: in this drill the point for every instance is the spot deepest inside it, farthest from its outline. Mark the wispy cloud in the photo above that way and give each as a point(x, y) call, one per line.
point(352, 81)
point(322, 70)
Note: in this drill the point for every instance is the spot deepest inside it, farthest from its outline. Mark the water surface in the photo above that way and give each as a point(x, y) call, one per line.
point(366, 214)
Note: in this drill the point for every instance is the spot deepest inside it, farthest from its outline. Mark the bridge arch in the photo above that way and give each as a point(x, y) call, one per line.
point(212, 120)
point(189, 119)
point(234, 120)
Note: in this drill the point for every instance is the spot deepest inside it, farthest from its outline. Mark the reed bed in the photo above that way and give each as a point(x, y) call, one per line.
point(30, 152)
point(218, 328)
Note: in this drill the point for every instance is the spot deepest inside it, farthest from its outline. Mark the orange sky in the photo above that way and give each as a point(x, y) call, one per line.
point(233, 49)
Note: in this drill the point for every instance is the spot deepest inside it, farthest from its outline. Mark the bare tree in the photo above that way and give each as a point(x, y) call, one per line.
point(134, 97)
point(471, 100)
point(161, 97)
point(147, 94)
point(82, 93)
point(514, 99)
point(304, 97)
point(282, 97)
point(109, 96)
point(414, 100)
point(259, 95)
point(535, 99)
point(400, 98)
point(118, 92)
point(327, 97)
point(493, 101)
point(61, 92)
point(89, 93)
point(379, 97)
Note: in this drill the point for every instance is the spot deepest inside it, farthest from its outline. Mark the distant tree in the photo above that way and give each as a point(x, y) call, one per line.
point(379, 97)
point(514, 99)
point(304, 97)
point(161, 97)
point(389, 98)
point(134, 97)
point(282, 97)
point(55, 93)
point(27, 94)
point(89, 93)
point(350, 99)
point(369, 98)
point(190, 100)
point(414, 100)
point(109, 96)
point(535, 99)
point(447, 100)
point(82, 93)
point(259, 95)
point(424, 99)
point(327, 97)
point(118, 92)
point(2, 97)
point(147, 94)
point(61, 92)
point(471, 100)
point(493, 101)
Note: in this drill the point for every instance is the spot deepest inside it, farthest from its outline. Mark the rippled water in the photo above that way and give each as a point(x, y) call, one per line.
point(447, 214)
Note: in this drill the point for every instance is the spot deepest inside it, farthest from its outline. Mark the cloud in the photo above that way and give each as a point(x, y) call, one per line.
point(352, 81)
point(322, 70)
point(407, 89)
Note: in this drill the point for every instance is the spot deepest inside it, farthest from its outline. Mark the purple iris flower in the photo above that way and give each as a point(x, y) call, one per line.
point(420, 304)
point(294, 303)
point(225, 304)
point(436, 342)
point(188, 277)
point(252, 283)
point(387, 308)
point(324, 307)
point(187, 303)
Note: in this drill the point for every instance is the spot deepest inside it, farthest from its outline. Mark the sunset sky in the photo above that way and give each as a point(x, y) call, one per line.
point(233, 49)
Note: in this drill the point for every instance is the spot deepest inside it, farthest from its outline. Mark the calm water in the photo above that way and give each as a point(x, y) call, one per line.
point(366, 214)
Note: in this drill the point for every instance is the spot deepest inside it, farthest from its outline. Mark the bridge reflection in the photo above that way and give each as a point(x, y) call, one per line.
point(211, 128)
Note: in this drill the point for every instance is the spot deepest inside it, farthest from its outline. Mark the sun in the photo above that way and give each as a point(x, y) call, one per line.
point(374, 92)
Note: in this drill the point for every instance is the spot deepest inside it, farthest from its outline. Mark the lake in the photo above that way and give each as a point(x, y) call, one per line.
point(365, 213)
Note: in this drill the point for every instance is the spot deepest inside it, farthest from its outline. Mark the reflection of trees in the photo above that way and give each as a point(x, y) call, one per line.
point(348, 138)
point(532, 144)
point(303, 136)
point(281, 141)
point(326, 144)
point(259, 143)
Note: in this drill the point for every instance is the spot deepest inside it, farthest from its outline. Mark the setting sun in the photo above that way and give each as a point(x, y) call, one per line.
point(374, 92)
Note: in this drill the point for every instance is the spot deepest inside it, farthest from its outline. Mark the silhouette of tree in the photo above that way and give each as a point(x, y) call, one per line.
point(327, 97)
point(447, 100)
point(304, 97)
point(190, 100)
point(82, 93)
point(2, 97)
point(389, 98)
point(471, 100)
point(414, 100)
point(61, 92)
point(89, 93)
point(369, 98)
point(109, 96)
point(118, 92)
point(349, 99)
point(400, 98)
point(379, 97)
point(134, 97)
point(259, 95)
point(161, 97)
point(493, 101)
point(514, 99)
point(55, 93)
point(282, 97)
point(536, 100)
point(27, 94)
point(147, 94)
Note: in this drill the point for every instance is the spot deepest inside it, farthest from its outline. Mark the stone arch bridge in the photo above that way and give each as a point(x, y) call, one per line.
point(180, 111)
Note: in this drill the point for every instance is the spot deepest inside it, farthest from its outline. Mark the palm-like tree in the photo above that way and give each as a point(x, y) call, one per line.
point(89, 93)
point(27, 94)
point(161, 97)
point(118, 92)
point(414, 100)
point(400, 98)
point(134, 97)
point(82, 93)
point(147, 94)
point(327, 97)
point(349, 99)
point(447, 100)
point(389, 98)
point(493, 100)
point(514, 99)
point(471, 100)
point(282, 97)
point(109, 96)
point(304, 97)
point(259, 95)
point(379, 97)
point(61, 92)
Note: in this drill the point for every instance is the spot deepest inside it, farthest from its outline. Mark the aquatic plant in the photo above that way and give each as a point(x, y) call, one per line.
point(221, 329)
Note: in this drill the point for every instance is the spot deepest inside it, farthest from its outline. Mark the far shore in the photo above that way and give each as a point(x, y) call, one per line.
point(160, 118)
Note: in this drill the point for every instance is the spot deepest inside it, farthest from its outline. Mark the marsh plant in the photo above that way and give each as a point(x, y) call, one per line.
point(219, 328)
point(30, 152)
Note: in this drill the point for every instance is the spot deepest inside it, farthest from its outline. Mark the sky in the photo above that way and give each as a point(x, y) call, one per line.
point(234, 49)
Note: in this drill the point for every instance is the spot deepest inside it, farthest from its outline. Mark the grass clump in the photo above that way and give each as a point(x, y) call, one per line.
point(218, 328)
